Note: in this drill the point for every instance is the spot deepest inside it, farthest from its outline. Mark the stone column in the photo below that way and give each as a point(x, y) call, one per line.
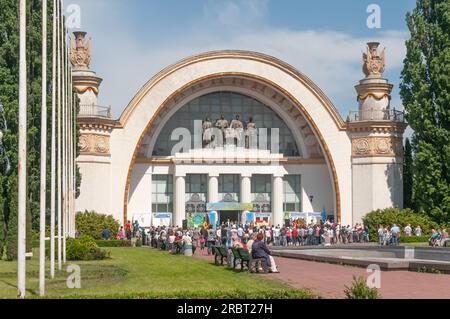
point(246, 193)
point(180, 200)
point(213, 188)
point(277, 200)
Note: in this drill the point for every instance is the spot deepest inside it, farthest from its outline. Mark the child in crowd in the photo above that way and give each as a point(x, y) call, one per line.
point(202, 242)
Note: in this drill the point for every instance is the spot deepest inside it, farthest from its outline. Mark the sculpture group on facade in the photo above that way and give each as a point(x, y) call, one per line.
point(224, 132)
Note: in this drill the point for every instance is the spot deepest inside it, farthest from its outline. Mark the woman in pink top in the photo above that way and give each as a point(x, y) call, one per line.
point(121, 234)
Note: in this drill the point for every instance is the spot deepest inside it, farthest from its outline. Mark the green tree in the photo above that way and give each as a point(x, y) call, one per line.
point(407, 175)
point(425, 94)
point(9, 79)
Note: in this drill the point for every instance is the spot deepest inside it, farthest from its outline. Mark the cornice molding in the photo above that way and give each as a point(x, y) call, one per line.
point(377, 127)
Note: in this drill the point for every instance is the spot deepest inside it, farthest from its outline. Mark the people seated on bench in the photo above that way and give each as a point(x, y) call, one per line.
point(238, 244)
point(260, 250)
point(250, 243)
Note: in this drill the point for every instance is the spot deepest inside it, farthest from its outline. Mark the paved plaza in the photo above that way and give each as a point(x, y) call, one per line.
point(329, 280)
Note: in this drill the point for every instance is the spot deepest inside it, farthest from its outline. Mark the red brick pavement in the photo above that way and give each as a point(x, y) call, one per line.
point(329, 280)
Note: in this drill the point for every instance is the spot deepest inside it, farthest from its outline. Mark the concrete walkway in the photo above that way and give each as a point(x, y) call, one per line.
point(329, 280)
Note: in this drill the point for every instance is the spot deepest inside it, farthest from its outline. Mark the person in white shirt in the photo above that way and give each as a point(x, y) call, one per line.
point(408, 230)
point(418, 231)
point(381, 235)
point(187, 244)
point(240, 232)
point(268, 236)
point(218, 232)
point(276, 236)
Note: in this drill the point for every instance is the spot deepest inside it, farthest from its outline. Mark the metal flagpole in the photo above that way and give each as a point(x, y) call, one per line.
point(59, 139)
point(74, 154)
point(53, 160)
point(43, 152)
point(72, 124)
point(69, 188)
point(69, 95)
point(64, 128)
point(66, 197)
point(22, 174)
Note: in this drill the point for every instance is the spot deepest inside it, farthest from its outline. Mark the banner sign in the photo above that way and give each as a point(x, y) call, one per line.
point(228, 207)
point(161, 219)
point(263, 218)
point(250, 217)
point(213, 218)
point(304, 215)
point(163, 215)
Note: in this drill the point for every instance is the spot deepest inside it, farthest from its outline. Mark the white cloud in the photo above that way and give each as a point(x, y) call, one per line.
point(333, 60)
point(235, 12)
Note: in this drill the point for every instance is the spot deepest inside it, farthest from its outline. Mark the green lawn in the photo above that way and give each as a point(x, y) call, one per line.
point(147, 273)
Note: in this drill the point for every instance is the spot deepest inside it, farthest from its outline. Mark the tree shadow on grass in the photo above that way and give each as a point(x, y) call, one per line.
point(30, 291)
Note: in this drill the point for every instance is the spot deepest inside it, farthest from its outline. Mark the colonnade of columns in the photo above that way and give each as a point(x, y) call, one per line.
point(213, 196)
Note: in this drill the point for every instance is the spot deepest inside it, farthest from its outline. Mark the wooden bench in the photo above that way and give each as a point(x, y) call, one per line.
point(253, 264)
point(220, 253)
point(236, 257)
point(245, 257)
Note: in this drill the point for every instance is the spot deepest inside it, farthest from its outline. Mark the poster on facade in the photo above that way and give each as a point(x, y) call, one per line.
point(263, 219)
point(228, 206)
point(196, 219)
point(249, 217)
point(213, 218)
point(161, 219)
point(308, 217)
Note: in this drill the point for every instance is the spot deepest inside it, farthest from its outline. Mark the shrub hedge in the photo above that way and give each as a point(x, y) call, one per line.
point(84, 248)
point(216, 294)
point(92, 224)
point(390, 216)
point(360, 290)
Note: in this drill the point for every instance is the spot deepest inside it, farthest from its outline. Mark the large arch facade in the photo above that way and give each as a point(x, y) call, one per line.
point(265, 78)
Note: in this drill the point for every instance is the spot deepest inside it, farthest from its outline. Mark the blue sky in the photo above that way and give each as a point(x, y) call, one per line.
point(135, 39)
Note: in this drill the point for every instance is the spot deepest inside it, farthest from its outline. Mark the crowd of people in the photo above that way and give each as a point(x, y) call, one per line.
point(297, 233)
point(230, 234)
point(257, 238)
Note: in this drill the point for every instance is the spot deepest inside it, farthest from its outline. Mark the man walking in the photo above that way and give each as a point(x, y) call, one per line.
point(395, 231)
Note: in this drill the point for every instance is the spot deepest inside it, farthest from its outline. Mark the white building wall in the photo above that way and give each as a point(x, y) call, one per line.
point(95, 188)
point(377, 184)
point(316, 182)
point(140, 196)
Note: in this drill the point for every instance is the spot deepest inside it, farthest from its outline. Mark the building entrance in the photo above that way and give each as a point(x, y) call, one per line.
point(233, 216)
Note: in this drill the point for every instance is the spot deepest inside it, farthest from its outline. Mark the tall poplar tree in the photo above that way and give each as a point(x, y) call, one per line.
point(426, 97)
point(408, 175)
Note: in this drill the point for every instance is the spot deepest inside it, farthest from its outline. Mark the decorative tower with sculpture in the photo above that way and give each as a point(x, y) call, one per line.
point(95, 124)
point(376, 131)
